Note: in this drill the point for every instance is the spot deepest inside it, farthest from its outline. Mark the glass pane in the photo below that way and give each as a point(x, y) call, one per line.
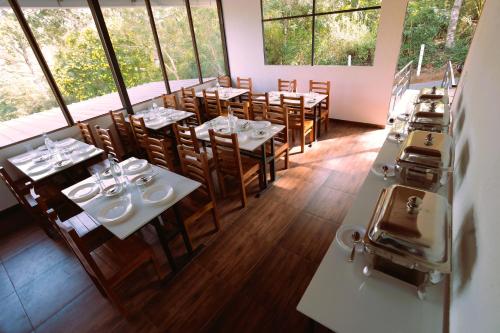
point(27, 105)
point(339, 36)
point(288, 42)
point(132, 38)
point(284, 8)
point(70, 44)
point(208, 38)
point(334, 5)
point(176, 44)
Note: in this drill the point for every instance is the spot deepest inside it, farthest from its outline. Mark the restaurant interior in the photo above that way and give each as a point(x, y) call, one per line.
point(249, 166)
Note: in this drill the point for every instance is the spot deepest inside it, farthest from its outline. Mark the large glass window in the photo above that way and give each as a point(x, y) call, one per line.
point(25, 96)
point(345, 32)
point(208, 38)
point(130, 32)
point(71, 46)
point(176, 44)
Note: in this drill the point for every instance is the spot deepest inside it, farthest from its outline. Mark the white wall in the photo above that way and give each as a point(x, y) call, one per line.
point(358, 93)
point(475, 303)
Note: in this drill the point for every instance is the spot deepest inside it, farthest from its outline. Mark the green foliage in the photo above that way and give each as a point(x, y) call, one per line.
point(288, 42)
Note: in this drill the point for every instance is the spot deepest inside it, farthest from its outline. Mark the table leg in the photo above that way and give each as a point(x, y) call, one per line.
point(164, 243)
point(272, 162)
point(264, 165)
point(315, 117)
point(183, 230)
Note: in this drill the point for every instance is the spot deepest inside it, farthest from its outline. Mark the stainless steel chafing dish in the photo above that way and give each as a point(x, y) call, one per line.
point(431, 116)
point(433, 93)
point(424, 159)
point(409, 236)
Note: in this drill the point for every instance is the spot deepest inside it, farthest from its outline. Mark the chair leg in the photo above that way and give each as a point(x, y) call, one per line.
point(287, 158)
point(293, 135)
point(156, 266)
point(243, 194)
point(221, 185)
point(302, 141)
point(113, 297)
point(215, 218)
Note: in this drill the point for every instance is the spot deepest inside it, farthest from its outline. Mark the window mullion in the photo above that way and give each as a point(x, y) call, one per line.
point(193, 39)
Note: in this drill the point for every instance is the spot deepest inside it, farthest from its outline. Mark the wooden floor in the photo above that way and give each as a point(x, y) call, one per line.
point(248, 277)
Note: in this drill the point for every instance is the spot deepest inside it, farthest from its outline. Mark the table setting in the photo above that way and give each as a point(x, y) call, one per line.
point(157, 117)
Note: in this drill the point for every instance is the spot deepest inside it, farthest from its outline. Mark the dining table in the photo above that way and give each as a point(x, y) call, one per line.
point(40, 164)
point(225, 94)
point(134, 206)
point(312, 102)
point(249, 142)
point(162, 117)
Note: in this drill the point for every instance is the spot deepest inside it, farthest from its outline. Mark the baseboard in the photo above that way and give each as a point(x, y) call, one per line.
point(357, 123)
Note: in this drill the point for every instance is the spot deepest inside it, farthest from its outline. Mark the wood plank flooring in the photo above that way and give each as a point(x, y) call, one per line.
point(248, 277)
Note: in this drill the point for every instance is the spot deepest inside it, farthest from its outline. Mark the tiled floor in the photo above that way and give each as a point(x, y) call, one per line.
point(248, 277)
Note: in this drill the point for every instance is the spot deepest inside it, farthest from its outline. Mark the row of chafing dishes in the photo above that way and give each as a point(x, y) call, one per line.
point(409, 235)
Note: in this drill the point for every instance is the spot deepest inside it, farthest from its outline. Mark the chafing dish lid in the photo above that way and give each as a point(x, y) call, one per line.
point(433, 92)
point(412, 222)
point(426, 149)
point(433, 113)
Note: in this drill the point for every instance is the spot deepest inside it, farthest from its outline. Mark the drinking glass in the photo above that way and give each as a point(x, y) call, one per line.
point(96, 173)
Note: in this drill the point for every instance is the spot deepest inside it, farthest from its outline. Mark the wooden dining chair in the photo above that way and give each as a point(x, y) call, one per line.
point(258, 103)
point(296, 119)
point(279, 115)
point(224, 81)
point(186, 138)
point(107, 263)
point(161, 152)
point(229, 162)
point(240, 109)
point(86, 133)
point(287, 85)
point(202, 201)
point(190, 104)
point(140, 131)
point(244, 83)
point(212, 104)
point(170, 101)
point(322, 88)
point(109, 145)
point(124, 131)
point(21, 191)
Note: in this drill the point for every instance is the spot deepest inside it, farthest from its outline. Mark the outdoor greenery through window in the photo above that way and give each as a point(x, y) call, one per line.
point(321, 32)
point(76, 56)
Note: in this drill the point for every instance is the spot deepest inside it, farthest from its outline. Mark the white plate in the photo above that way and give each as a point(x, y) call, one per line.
point(115, 211)
point(259, 134)
point(23, 158)
point(242, 137)
point(134, 167)
point(113, 190)
point(65, 143)
point(344, 240)
point(378, 171)
point(261, 124)
point(244, 125)
point(84, 192)
point(157, 195)
point(143, 179)
point(37, 169)
point(85, 150)
point(42, 158)
point(154, 121)
point(62, 163)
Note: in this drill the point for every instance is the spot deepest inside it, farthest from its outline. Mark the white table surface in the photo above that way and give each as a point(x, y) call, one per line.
point(162, 121)
point(341, 298)
point(308, 103)
point(141, 214)
point(75, 157)
point(245, 139)
point(225, 94)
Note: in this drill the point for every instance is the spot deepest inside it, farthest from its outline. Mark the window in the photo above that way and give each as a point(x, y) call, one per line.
point(320, 32)
point(72, 48)
point(25, 96)
point(130, 32)
point(176, 44)
point(208, 38)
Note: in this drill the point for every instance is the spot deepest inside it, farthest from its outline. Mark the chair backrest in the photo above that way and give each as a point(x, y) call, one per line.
point(240, 110)
point(108, 142)
point(277, 114)
point(226, 151)
point(170, 101)
point(160, 152)
point(224, 81)
point(122, 128)
point(186, 137)
point(321, 87)
point(195, 166)
point(258, 102)
point(190, 104)
point(244, 83)
point(287, 85)
point(296, 111)
point(212, 103)
point(12, 187)
point(86, 132)
point(140, 131)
